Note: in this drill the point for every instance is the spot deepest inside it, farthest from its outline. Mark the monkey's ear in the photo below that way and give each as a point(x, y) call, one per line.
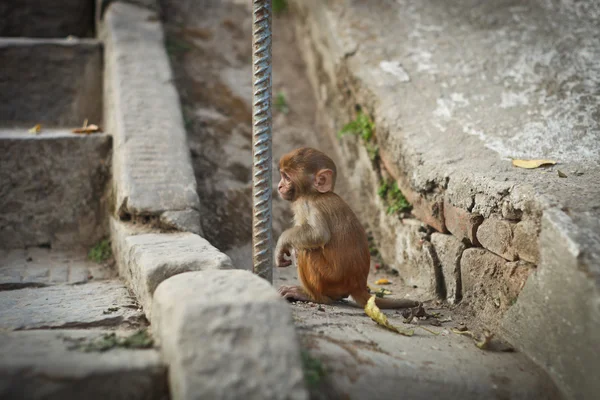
point(324, 180)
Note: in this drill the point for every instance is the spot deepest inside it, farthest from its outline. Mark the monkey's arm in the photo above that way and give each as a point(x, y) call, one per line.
point(311, 234)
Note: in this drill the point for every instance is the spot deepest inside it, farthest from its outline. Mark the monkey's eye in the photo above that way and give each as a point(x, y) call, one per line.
point(285, 176)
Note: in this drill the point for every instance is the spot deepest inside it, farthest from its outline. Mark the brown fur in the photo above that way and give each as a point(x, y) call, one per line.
point(331, 244)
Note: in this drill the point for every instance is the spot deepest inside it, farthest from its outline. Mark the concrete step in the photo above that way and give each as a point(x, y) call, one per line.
point(53, 82)
point(54, 365)
point(104, 303)
point(56, 83)
point(52, 187)
point(37, 267)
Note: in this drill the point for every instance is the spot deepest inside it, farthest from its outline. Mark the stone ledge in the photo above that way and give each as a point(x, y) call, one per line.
point(152, 168)
point(145, 259)
point(227, 324)
point(560, 304)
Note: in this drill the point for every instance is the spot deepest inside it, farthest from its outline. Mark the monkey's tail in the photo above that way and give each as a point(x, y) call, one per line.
point(362, 296)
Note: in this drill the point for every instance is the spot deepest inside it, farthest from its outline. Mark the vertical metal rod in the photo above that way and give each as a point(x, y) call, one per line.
point(262, 175)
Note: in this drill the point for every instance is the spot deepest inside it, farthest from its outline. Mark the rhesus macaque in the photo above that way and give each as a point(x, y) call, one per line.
point(331, 245)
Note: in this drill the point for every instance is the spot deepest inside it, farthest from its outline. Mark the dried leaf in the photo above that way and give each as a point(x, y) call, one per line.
point(561, 174)
point(529, 164)
point(429, 330)
point(382, 281)
point(468, 333)
point(87, 129)
point(485, 341)
point(376, 315)
point(36, 129)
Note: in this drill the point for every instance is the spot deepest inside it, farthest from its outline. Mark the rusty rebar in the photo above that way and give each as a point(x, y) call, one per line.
point(262, 175)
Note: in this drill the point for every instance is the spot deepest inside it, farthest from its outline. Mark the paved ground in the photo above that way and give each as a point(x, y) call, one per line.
point(362, 360)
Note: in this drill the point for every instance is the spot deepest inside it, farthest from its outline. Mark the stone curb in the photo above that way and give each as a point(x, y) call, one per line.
point(227, 335)
point(152, 170)
point(147, 259)
point(224, 334)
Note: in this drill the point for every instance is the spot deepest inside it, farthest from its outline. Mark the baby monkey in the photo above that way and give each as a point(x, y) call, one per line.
point(331, 245)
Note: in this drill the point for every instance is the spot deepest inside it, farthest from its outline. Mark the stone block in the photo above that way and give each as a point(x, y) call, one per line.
point(186, 221)
point(449, 251)
point(47, 365)
point(496, 235)
point(430, 211)
point(53, 82)
point(152, 166)
point(525, 241)
point(490, 284)
point(410, 254)
point(462, 223)
point(147, 259)
point(68, 306)
point(227, 335)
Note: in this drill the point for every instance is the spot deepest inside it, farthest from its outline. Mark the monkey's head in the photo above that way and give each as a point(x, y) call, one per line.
point(305, 171)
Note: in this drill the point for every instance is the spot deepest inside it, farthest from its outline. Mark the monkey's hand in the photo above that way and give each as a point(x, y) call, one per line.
point(281, 260)
point(283, 250)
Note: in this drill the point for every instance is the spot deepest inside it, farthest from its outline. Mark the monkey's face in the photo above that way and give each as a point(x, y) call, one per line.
point(286, 187)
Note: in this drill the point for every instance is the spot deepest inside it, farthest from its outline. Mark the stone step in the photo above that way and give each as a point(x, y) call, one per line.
point(62, 290)
point(56, 83)
point(36, 267)
point(54, 365)
point(39, 18)
point(53, 82)
point(52, 186)
point(104, 303)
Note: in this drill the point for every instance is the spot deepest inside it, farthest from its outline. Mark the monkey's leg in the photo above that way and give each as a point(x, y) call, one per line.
point(294, 293)
point(309, 262)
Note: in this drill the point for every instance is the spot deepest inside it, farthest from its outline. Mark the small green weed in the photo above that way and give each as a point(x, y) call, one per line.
point(279, 6)
point(101, 251)
point(176, 46)
point(281, 103)
point(394, 198)
point(372, 150)
point(188, 119)
point(139, 340)
point(314, 370)
point(362, 126)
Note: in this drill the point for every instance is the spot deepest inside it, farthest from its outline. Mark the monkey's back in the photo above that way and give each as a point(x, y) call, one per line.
point(342, 265)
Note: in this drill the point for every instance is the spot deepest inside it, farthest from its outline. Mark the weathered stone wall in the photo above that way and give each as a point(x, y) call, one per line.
point(481, 217)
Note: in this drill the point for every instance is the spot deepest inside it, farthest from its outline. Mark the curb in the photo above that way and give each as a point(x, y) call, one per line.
point(224, 334)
